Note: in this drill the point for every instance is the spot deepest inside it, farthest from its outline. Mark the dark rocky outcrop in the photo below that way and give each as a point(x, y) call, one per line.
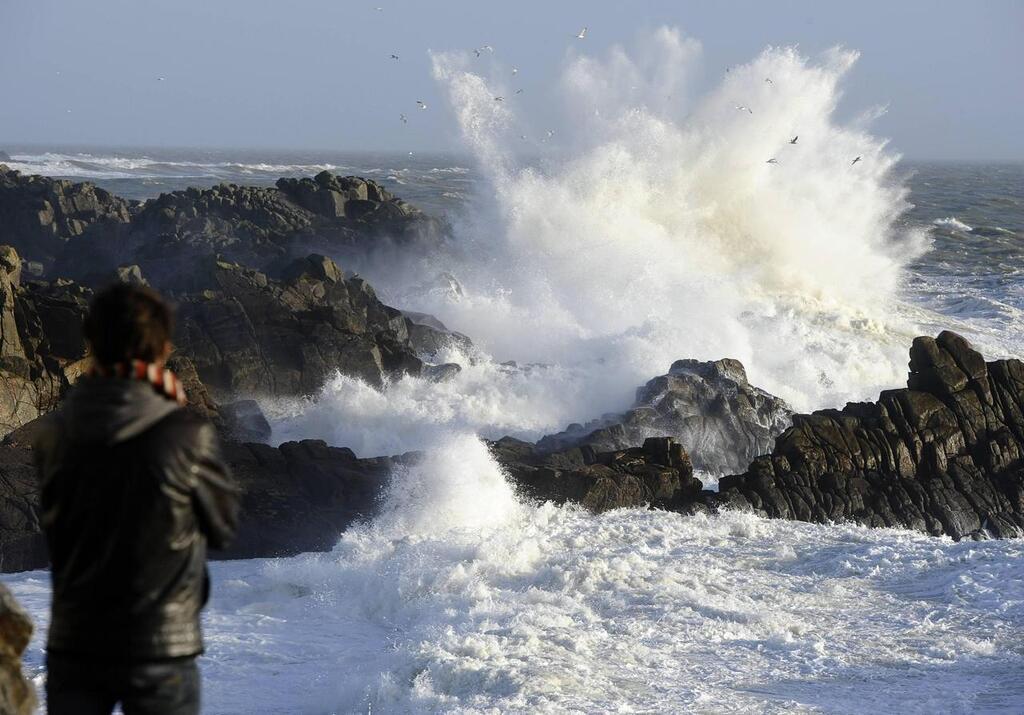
point(944, 456)
point(710, 407)
point(39, 215)
point(297, 497)
point(658, 474)
point(17, 696)
point(249, 334)
point(429, 336)
point(262, 228)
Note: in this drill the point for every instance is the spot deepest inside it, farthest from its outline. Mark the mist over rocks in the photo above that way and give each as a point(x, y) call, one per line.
point(943, 456)
point(710, 407)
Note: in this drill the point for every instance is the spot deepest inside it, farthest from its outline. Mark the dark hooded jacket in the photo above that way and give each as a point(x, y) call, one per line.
point(133, 491)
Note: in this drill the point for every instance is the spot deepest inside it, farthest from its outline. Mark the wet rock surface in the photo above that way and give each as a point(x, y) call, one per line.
point(943, 456)
point(709, 407)
point(17, 696)
point(658, 474)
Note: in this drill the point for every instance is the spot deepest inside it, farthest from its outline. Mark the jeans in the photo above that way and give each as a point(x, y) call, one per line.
point(83, 687)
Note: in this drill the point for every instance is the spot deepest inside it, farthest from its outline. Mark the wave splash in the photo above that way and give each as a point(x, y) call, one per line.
point(657, 228)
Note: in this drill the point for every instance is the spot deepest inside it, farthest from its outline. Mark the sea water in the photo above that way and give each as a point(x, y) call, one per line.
point(647, 226)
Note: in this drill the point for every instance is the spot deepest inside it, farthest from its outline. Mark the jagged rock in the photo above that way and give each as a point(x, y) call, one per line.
point(658, 474)
point(429, 335)
point(39, 215)
point(710, 407)
point(17, 696)
point(441, 373)
point(244, 421)
point(264, 228)
point(297, 497)
point(254, 335)
point(944, 456)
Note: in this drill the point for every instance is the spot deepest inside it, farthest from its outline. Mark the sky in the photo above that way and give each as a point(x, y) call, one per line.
point(317, 74)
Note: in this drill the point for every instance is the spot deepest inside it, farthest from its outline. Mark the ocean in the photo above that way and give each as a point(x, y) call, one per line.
point(647, 236)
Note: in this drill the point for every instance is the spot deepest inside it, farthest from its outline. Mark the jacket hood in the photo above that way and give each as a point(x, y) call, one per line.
point(109, 410)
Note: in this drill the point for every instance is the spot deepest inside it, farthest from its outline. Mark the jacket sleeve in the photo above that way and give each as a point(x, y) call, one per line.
point(215, 494)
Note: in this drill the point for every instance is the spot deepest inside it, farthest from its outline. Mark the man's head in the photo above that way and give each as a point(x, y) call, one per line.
point(128, 323)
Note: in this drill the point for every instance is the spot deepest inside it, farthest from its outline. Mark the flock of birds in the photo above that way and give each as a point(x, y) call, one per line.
point(479, 51)
point(744, 108)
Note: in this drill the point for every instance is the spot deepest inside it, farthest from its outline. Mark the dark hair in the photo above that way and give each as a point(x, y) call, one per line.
point(127, 323)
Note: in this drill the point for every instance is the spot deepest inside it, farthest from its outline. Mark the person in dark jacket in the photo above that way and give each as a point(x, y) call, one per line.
point(133, 492)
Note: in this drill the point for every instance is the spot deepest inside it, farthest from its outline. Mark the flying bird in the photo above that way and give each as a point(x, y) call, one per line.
point(582, 35)
point(405, 119)
point(793, 140)
point(394, 57)
point(519, 91)
point(380, 9)
point(159, 79)
point(854, 161)
point(515, 70)
point(422, 105)
point(768, 80)
point(773, 160)
point(742, 108)
point(499, 99)
point(523, 137)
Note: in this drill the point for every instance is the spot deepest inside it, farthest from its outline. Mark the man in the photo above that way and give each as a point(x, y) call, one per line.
point(133, 491)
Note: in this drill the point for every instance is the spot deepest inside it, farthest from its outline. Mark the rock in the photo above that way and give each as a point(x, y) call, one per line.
point(298, 497)
point(253, 335)
point(260, 227)
point(244, 421)
point(658, 474)
point(441, 373)
point(708, 406)
point(429, 336)
point(944, 456)
point(39, 215)
point(17, 696)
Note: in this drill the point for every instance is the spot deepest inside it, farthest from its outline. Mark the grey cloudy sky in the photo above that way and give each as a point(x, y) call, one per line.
point(317, 73)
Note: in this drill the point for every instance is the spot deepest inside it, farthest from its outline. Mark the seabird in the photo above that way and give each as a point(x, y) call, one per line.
point(773, 160)
point(515, 70)
point(499, 99)
point(159, 79)
point(582, 35)
point(854, 161)
point(519, 91)
point(768, 80)
point(551, 132)
point(422, 105)
point(793, 140)
point(523, 137)
point(405, 119)
point(744, 109)
point(394, 57)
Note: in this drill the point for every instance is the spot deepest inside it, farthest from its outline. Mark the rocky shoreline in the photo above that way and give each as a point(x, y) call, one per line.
point(263, 310)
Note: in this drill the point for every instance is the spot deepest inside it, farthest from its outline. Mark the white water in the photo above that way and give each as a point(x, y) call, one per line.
point(657, 232)
point(461, 599)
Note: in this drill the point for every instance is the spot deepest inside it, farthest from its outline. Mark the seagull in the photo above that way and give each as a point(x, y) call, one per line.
point(515, 70)
point(394, 57)
point(773, 160)
point(582, 35)
point(550, 133)
point(410, 153)
point(519, 91)
point(422, 105)
point(768, 80)
point(793, 140)
point(405, 119)
point(159, 79)
point(499, 99)
point(742, 108)
point(480, 50)
point(854, 161)
point(523, 137)
point(380, 9)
